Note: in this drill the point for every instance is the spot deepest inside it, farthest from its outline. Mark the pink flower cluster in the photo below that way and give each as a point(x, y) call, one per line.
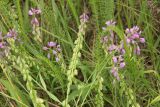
point(134, 37)
point(111, 45)
point(11, 34)
point(54, 48)
point(34, 12)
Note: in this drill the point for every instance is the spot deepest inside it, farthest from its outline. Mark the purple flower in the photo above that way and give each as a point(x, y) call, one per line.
point(127, 31)
point(122, 64)
point(114, 71)
point(59, 49)
point(104, 39)
point(110, 23)
point(142, 40)
point(116, 75)
point(112, 47)
point(135, 36)
point(34, 11)
point(12, 34)
point(38, 11)
point(1, 45)
point(137, 50)
point(52, 44)
point(115, 59)
point(57, 59)
point(123, 51)
point(35, 21)
point(54, 52)
point(30, 12)
point(128, 40)
point(134, 30)
point(84, 17)
point(8, 35)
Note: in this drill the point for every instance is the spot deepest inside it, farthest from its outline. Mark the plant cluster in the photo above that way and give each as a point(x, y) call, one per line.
point(63, 53)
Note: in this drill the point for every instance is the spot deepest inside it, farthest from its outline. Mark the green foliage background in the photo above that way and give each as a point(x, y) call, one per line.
point(59, 21)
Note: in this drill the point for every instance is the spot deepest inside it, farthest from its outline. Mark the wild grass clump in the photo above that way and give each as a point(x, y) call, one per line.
point(95, 53)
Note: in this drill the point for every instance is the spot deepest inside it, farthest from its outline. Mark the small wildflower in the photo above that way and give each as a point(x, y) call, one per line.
point(12, 34)
point(114, 71)
point(115, 59)
point(135, 36)
point(104, 39)
point(57, 59)
point(30, 13)
point(1, 45)
point(122, 51)
point(35, 21)
point(59, 49)
point(54, 52)
point(84, 17)
point(127, 30)
point(135, 29)
point(110, 42)
point(112, 47)
point(142, 40)
point(115, 74)
point(137, 50)
point(128, 40)
point(110, 23)
point(122, 64)
point(52, 44)
point(34, 11)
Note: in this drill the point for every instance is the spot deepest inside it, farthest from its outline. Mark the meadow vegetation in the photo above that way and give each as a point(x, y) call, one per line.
point(79, 53)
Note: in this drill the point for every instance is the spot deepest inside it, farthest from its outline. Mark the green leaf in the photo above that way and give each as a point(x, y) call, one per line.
point(42, 82)
point(15, 93)
point(53, 97)
point(155, 100)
